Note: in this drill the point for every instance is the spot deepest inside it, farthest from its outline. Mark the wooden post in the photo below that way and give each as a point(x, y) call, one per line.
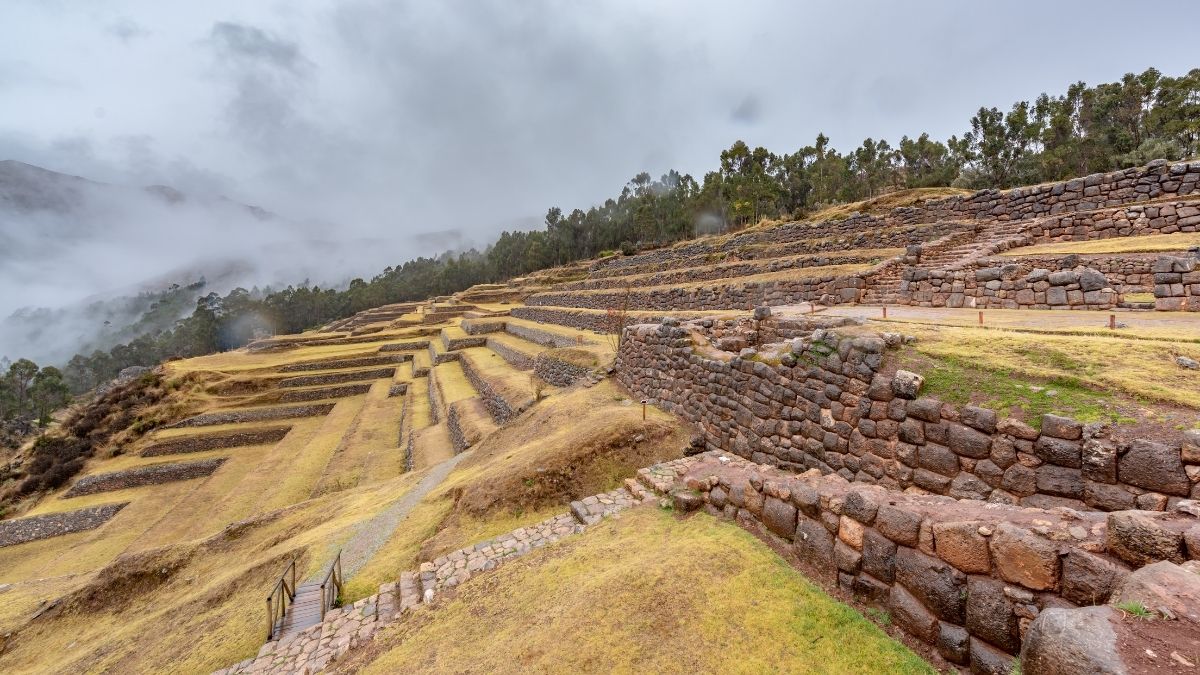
point(981, 318)
point(885, 311)
point(643, 410)
point(1112, 321)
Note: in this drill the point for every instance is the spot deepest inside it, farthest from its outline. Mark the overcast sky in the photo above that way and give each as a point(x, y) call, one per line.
point(401, 118)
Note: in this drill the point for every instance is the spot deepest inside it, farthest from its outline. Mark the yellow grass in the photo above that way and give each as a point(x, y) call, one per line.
point(1139, 368)
point(454, 384)
point(432, 445)
point(647, 593)
point(1178, 241)
point(369, 451)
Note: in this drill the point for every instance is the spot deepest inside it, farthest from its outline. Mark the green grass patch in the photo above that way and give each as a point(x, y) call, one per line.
point(956, 381)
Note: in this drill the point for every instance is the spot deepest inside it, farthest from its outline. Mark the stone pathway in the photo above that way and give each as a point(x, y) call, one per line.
point(313, 649)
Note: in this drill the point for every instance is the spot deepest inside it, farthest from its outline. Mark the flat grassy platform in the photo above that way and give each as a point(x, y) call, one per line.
point(1153, 243)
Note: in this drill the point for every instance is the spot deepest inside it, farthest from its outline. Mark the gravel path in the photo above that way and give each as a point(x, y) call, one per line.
point(372, 534)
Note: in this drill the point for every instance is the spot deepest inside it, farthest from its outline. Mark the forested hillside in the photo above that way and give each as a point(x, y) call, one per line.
point(1083, 130)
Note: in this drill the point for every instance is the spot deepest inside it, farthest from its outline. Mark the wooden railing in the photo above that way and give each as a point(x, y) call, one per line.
point(282, 595)
point(331, 586)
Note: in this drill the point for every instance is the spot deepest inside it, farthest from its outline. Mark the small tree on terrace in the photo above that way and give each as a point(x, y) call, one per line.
point(616, 318)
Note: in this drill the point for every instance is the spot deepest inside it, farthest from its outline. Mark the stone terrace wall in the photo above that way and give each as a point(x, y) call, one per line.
point(1011, 285)
point(1126, 272)
point(1127, 221)
point(254, 415)
point(1176, 284)
point(826, 406)
point(496, 405)
point(144, 475)
point(826, 289)
point(558, 372)
point(965, 578)
point(341, 391)
point(217, 441)
point(338, 378)
point(546, 338)
point(515, 358)
point(35, 528)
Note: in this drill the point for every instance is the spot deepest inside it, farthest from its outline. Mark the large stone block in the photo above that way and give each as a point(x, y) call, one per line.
point(1059, 451)
point(911, 615)
point(1089, 579)
point(1060, 481)
point(814, 544)
point(968, 442)
point(878, 556)
point(1139, 539)
point(961, 545)
point(1022, 557)
point(938, 585)
point(779, 517)
point(1154, 466)
point(899, 525)
point(990, 613)
point(1163, 586)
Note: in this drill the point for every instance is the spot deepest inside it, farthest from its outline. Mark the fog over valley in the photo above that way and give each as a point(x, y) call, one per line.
point(148, 147)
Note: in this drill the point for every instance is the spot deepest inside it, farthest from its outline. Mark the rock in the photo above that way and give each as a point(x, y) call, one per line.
point(987, 660)
point(1072, 642)
point(907, 384)
point(1139, 539)
point(1188, 363)
point(938, 585)
point(779, 517)
point(1154, 466)
point(762, 312)
point(1092, 280)
point(911, 615)
point(978, 418)
point(968, 442)
point(1061, 427)
point(961, 545)
point(954, 643)
point(990, 613)
point(1089, 579)
point(899, 525)
point(1162, 586)
point(1023, 557)
point(878, 556)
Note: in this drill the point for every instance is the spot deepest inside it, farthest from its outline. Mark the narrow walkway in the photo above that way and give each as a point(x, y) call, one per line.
point(305, 611)
point(371, 535)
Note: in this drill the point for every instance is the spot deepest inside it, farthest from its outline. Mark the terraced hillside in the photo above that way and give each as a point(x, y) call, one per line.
point(851, 445)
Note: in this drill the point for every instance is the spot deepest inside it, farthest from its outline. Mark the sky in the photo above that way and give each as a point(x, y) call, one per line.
point(403, 128)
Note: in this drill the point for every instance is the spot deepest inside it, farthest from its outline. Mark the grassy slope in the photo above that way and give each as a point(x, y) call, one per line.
point(1179, 241)
point(646, 593)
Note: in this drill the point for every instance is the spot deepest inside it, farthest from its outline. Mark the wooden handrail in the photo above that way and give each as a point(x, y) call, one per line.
point(281, 595)
point(331, 585)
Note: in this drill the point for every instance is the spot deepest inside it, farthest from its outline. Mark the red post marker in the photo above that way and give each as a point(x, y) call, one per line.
point(981, 318)
point(1112, 321)
point(885, 311)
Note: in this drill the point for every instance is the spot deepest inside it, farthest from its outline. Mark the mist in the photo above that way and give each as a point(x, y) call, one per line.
point(377, 131)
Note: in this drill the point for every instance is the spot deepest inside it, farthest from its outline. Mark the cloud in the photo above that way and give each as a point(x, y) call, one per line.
point(748, 111)
point(246, 44)
point(126, 30)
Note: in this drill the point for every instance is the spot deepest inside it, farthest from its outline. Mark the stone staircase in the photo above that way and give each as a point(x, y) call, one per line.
point(313, 648)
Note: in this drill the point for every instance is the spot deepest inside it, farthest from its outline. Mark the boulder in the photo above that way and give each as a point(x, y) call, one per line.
point(1072, 642)
point(1163, 587)
point(1139, 539)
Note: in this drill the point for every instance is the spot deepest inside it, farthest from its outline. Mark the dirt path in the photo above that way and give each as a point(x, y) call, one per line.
point(1172, 326)
point(371, 535)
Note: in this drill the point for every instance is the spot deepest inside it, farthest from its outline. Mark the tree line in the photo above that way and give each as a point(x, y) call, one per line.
point(1081, 131)
point(30, 392)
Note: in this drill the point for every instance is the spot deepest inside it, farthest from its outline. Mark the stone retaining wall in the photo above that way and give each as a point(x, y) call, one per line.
point(708, 271)
point(411, 346)
point(731, 294)
point(217, 441)
point(545, 338)
point(344, 391)
point(515, 358)
point(496, 405)
point(1133, 220)
point(258, 415)
point(453, 344)
point(821, 403)
point(558, 372)
point(144, 475)
point(338, 378)
point(458, 437)
point(1176, 284)
point(1012, 285)
point(481, 326)
point(35, 528)
point(1126, 272)
point(436, 403)
point(966, 578)
point(337, 364)
point(398, 389)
